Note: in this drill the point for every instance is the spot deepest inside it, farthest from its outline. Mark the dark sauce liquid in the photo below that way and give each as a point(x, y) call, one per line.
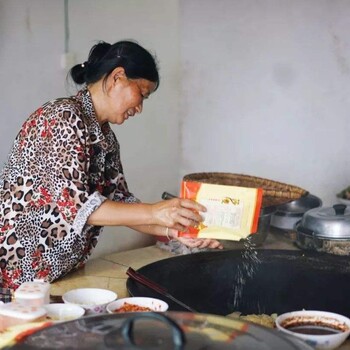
point(316, 330)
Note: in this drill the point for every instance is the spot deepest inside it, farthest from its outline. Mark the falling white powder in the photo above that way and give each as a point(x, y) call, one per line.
point(245, 269)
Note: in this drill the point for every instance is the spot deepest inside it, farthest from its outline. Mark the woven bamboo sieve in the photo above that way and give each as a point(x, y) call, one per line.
point(274, 192)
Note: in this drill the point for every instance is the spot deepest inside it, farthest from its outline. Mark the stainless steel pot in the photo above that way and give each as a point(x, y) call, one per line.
point(325, 229)
point(287, 215)
point(159, 331)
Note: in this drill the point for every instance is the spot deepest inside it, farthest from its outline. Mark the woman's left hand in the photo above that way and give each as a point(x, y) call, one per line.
point(196, 242)
point(200, 242)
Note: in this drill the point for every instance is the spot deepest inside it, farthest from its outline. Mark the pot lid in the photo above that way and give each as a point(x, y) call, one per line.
point(327, 222)
point(156, 331)
point(299, 206)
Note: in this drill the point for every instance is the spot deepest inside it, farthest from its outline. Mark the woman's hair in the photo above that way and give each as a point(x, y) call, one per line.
point(137, 62)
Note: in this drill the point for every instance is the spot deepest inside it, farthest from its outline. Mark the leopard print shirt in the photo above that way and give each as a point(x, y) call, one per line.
point(61, 168)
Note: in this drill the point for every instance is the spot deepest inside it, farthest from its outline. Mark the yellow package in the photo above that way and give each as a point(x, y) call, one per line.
point(232, 211)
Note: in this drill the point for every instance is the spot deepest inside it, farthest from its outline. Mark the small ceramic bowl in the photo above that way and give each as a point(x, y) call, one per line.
point(151, 303)
point(92, 300)
point(60, 312)
point(320, 329)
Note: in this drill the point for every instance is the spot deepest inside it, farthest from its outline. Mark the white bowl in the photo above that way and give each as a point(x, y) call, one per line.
point(152, 303)
point(93, 300)
point(286, 321)
point(60, 312)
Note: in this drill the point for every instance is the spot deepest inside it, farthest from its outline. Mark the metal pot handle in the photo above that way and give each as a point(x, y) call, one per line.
point(339, 209)
point(296, 224)
point(128, 326)
point(304, 230)
point(167, 195)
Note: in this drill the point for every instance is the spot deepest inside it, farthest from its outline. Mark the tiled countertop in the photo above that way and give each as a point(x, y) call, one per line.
point(106, 272)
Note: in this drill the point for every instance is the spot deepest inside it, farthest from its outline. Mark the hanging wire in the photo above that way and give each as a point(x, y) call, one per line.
point(66, 27)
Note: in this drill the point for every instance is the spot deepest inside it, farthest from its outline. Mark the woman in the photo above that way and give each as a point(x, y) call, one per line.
point(64, 180)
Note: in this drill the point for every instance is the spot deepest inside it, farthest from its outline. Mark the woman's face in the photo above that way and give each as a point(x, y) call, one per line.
point(125, 97)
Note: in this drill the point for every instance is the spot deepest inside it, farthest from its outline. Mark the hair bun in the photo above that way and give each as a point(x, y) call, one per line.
point(98, 51)
point(78, 73)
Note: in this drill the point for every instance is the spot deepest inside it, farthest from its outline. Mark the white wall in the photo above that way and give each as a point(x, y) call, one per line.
point(261, 87)
point(266, 90)
point(31, 41)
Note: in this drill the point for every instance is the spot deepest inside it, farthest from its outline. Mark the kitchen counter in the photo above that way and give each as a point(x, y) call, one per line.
point(109, 272)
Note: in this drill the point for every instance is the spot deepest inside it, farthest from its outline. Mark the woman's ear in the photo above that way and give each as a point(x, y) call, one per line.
point(118, 73)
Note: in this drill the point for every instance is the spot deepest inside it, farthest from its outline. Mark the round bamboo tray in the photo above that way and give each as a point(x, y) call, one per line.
point(274, 192)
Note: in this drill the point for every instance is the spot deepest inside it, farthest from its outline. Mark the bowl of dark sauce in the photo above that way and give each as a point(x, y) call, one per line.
point(320, 329)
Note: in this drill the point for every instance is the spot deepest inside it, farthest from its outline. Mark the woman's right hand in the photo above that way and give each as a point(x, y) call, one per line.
point(177, 213)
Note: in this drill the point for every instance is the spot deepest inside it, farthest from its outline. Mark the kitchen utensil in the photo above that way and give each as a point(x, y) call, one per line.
point(167, 195)
point(138, 277)
point(322, 330)
point(159, 331)
point(273, 281)
point(325, 229)
point(327, 222)
point(288, 214)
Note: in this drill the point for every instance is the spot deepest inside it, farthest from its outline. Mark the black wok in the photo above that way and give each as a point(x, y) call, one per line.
point(283, 281)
